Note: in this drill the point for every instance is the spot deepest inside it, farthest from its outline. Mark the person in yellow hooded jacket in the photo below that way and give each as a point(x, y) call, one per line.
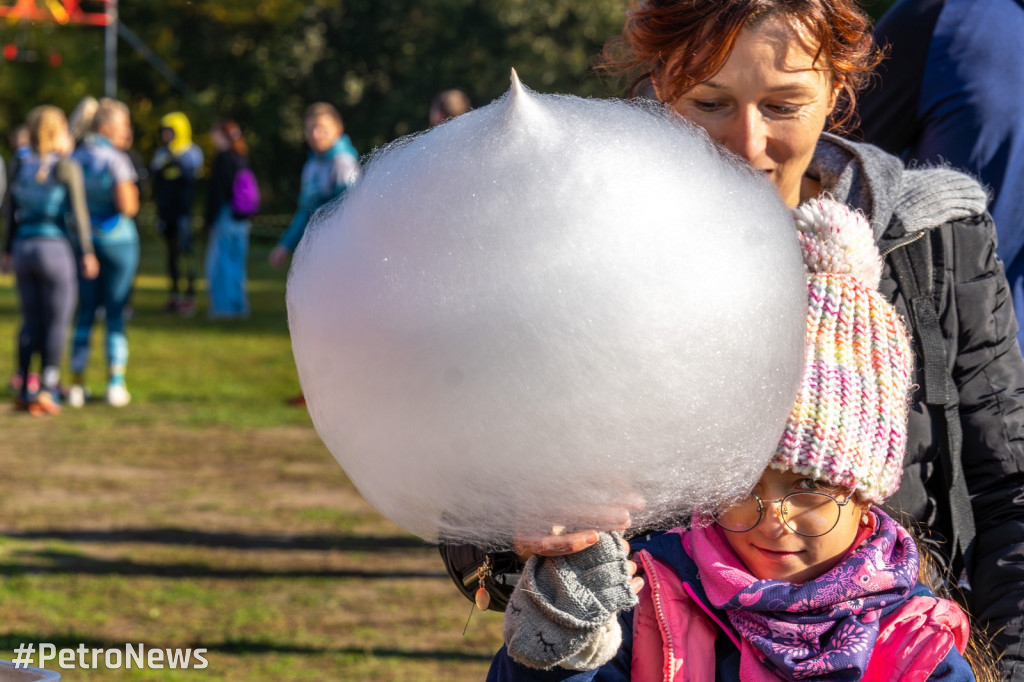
point(175, 169)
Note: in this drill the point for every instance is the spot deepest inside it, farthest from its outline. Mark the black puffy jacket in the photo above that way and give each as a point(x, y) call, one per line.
point(979, 330)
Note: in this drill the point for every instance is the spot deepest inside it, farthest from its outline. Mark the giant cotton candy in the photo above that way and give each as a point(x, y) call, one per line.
point(544, 308)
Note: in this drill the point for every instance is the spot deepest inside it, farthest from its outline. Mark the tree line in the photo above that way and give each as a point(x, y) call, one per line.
point(261, 63)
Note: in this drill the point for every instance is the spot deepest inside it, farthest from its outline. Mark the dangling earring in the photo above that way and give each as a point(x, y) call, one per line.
point(864, 519)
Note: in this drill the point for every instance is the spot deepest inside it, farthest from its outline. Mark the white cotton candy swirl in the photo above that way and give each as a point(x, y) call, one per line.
point(544, 309)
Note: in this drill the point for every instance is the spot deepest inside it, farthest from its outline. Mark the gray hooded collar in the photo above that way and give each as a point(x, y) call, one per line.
point(876, 182)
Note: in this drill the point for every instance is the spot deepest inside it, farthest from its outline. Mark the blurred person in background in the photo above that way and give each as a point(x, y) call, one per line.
point(227, 250)
point(332, 165)
point(448, 104)
point(21, 143)
point(113, 200)
point(124, 141)
point(81, 118)
point(952, 92)
point(22, 147)
point(176, 168)
point(48, 186)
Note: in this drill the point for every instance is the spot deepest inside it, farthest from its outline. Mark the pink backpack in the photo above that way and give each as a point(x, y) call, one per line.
point(245, 194)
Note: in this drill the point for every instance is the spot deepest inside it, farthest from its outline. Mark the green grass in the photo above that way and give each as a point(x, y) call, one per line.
point(208, 514)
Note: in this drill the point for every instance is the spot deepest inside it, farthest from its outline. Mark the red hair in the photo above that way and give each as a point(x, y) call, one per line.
point(233, 133)
point(677, 44)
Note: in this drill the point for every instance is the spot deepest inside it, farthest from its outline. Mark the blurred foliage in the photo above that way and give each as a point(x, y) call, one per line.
point(262, 62)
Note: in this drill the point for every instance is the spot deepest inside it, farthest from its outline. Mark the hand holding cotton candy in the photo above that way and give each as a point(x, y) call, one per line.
point(546, 307)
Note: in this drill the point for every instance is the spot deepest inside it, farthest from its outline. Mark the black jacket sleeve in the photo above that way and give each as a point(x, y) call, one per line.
point(989, 373)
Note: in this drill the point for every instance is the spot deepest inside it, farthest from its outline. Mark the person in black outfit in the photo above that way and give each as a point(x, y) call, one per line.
point(176, 169)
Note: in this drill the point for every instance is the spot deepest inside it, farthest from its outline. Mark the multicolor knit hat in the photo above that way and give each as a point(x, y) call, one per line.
point(849, 424)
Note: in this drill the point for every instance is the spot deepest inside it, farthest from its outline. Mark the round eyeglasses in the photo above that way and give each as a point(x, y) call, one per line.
point(807, 513)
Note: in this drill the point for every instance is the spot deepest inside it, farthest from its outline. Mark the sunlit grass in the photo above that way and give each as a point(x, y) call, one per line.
point(208, 514)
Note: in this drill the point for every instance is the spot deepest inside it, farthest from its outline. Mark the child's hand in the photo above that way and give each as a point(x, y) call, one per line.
point(636, 583)
point(562, 543)
point(559, 541)
point(559, 545)
point(564, 610)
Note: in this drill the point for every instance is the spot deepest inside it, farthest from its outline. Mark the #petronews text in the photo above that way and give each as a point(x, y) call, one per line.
point(134, 655)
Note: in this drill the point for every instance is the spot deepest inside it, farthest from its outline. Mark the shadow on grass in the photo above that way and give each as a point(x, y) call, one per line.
point(10, 640)
point(197, 538)
point(53, 562)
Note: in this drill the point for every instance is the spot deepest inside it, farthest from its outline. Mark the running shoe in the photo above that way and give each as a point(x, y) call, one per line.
point(76, 396)
point(47, 403)
point(118, 395)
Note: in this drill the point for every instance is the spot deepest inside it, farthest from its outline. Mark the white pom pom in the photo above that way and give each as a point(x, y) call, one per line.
point(837, 239)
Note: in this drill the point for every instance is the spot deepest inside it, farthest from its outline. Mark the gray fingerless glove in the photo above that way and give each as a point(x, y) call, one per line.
point(563, 611)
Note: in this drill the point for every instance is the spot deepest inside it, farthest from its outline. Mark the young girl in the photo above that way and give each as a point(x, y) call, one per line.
point(803, 578)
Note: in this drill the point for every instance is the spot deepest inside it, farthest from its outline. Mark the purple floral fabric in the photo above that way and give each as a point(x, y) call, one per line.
point(825, 628)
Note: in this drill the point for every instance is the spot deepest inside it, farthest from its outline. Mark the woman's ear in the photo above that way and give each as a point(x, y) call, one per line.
point(837, 88)
point(652, 85)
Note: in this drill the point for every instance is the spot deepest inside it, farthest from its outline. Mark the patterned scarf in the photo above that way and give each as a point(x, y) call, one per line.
point(823, 629)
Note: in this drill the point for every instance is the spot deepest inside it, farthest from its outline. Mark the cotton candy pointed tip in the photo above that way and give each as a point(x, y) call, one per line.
point(521, 106)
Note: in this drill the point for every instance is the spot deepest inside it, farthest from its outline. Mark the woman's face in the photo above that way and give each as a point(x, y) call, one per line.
point(768, 104)
point(220, 140)
point(771, 551)
point(322, 132)
point(118, 129)
point(62, 142)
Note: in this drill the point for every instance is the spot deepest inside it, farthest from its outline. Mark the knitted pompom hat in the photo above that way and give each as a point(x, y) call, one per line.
point(849, 423)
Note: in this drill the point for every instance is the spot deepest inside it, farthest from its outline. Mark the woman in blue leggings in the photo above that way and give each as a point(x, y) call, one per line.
point(113, 198)
point(46, 186)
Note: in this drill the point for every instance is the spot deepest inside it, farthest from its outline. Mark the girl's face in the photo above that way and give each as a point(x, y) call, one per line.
point(767, 104)
point(771, 551)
